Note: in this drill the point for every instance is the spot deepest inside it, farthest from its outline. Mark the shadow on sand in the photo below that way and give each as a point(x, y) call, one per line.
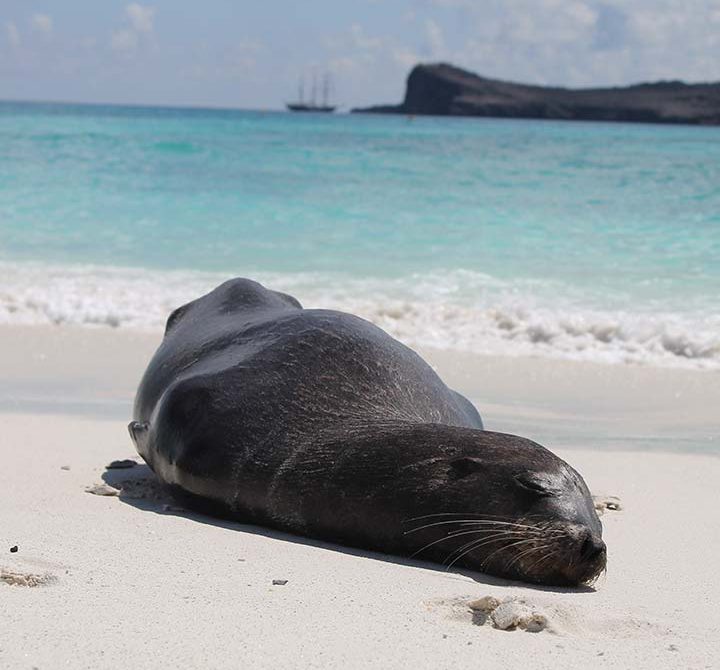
point(140, 488)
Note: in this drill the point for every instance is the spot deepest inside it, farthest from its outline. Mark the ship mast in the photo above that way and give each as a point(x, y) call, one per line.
point(301, 90)
point(326, 88)
point(314, 90)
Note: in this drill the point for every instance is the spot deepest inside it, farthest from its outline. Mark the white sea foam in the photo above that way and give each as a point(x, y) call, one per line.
point(457, 310)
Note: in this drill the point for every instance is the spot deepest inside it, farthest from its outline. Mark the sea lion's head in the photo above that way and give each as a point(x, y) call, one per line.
point(510, 507)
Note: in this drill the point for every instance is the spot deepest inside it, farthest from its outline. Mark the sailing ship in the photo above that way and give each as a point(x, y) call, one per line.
point(312, 105)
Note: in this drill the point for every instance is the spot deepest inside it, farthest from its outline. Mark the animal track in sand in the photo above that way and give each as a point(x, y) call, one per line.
point(25, 578)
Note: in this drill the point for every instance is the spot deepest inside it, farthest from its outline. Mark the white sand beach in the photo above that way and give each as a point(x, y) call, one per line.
point(133, 580)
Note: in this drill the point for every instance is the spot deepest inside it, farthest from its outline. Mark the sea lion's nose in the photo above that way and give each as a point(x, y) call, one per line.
point(592, 547)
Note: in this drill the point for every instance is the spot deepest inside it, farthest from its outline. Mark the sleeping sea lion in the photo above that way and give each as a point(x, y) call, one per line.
point(319, 423)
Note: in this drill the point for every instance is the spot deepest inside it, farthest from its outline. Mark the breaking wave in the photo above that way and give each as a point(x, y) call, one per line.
point(457, 310)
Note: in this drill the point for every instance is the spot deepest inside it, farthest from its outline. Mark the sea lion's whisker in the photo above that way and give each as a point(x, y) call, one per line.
point(481, 516)
point(452, 535)
point(472, 521)
point(503, 548)
point(544, 558)
point(499, 537)
point(486, 529)
point(528, 552)
point(470, 546)
point(457, 558)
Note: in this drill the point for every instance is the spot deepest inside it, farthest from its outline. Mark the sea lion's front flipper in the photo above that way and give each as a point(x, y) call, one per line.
point(138, 433)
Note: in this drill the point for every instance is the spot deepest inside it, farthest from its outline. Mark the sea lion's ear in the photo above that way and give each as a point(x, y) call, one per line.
point(464, 466)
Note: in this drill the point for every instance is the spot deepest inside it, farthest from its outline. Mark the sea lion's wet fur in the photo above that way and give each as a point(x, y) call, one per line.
point(319, 423)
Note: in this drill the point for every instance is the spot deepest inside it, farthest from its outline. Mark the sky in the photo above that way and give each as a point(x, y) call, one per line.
point(237, 53)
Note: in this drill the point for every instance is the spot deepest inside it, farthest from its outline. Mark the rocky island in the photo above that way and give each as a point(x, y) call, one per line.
point(445, 90)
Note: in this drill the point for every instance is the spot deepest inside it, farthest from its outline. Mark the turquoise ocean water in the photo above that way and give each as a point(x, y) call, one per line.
point(578, 240)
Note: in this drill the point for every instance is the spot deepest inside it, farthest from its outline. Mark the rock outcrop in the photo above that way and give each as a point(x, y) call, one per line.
point(444, 90)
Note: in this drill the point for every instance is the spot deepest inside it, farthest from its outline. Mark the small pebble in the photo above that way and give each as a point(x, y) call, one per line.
point(13, 549)
point(102, 490)
point(279, 582)
point(119, 465)
point(64, 467)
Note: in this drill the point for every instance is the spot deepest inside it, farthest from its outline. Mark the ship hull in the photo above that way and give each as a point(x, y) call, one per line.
point(298, 107)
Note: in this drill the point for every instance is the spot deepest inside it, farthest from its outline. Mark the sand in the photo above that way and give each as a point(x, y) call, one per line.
point(131, 579)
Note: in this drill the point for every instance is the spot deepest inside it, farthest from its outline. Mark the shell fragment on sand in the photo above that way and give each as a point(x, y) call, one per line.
point(605, 503)
point(509, 614)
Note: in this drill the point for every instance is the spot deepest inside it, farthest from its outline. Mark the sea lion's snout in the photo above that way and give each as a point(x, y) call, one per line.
point(583, 556)
point(592, 548)
point(592, 558)
point(573, 554)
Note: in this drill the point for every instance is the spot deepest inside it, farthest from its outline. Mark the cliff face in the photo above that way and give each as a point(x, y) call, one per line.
point(445, 90)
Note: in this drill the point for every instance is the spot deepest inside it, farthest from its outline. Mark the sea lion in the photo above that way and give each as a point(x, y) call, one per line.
point(319, 423)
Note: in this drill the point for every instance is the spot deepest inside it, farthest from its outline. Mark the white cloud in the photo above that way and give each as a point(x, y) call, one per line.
point(42, 23)
point(140, 26)
point(141, 17)
point(12, 34)
point(581, 42)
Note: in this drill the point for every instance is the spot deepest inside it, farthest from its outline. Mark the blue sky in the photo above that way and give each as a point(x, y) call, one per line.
point(252, 54)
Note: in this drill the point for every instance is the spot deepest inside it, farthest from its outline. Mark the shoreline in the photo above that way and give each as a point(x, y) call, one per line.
point(94, 372)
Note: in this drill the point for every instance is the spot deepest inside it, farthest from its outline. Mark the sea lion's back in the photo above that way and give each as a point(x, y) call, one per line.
point(252, 374)
point(197, 332)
